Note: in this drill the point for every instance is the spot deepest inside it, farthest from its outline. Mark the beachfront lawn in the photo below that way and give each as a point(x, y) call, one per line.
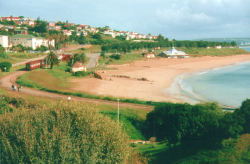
point(124, 58)
point(197, 52)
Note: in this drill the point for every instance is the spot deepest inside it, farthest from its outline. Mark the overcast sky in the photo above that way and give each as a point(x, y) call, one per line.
point(179, 19)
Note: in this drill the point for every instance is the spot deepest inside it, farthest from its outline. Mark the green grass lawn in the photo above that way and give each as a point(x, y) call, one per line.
point(125, 58)
point(197, 52)
point(55, 79)
point(19, 57)
point(131, 120)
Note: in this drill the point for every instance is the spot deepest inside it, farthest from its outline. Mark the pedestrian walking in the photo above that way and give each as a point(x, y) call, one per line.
point(13, 87)
point(19, 88)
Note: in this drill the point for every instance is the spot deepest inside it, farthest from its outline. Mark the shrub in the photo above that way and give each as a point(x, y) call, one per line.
point(5, 66)
point(4, 105)
point(103, 54)
point(42, 48)
point(115, 56)
point(82, 73)
point(61, 133)
point(4, 56)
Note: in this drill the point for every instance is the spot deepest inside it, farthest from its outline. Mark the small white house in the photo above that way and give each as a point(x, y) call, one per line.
point(4, 41)
point(78, 67)
point(173, 53)
point(149, 55)
point(218, 47)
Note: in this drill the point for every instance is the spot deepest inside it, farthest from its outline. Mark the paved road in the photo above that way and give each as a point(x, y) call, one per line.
point(10, 79)
point(93, 60)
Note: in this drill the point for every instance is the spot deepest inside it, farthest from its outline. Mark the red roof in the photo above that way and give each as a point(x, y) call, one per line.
point(81, 25)
point(77, 65)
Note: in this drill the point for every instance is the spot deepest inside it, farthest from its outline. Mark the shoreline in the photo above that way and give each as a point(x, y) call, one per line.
point(190, 95)
point(159, 75)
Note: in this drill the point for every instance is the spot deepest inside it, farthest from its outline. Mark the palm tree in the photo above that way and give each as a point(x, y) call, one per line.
point(52, 59)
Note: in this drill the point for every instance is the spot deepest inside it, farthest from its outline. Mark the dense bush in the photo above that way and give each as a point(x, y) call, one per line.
point(184, 123)
point(82, 73)
point(4, 105)
point(20, 48)
point(5, 66)
point(61, 133)
point(115, 56)
point(4, 56)
point(42, 48)
point(196, 124)
point(238, 122)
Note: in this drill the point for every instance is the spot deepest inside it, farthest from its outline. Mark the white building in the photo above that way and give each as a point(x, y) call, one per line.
point(31, 41)
point(173, 53)
point(78, 67)
point(218, 47)
point(149, 55)
point(4, 41)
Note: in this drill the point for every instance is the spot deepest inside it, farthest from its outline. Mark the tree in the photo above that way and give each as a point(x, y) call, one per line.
point(42, 48)
point(160, 38)
point(40, 27)
point(2, 50)
point(82, 39)
point(5, 66)
point(52, 59)
point(185, 123)
point(77, 58)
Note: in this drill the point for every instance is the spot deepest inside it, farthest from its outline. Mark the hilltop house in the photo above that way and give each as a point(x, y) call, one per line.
point(67, 32)
point(31, 41)
point(4, 41)
point(82, 27)
point(173, 53)
point(78, 67)
point(10, 18)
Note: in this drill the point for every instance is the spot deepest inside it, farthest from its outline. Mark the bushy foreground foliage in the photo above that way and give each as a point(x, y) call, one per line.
point(204, 124)
point(61, 133)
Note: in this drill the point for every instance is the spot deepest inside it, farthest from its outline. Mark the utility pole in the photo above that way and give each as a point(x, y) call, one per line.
point(118, 110)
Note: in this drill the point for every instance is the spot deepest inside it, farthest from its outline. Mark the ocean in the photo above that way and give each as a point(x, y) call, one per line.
point(227, 86)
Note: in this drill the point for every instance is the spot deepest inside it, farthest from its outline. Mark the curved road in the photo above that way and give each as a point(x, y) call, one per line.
point(93, 60)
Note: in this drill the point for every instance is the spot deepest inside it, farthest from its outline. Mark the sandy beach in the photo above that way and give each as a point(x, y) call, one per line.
point(147, 79)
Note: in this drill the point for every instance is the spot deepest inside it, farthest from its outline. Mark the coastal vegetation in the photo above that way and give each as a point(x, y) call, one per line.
point(127, 46)
point(198, 52)
point(183, 133)
point(58, 133)
point(48, 131)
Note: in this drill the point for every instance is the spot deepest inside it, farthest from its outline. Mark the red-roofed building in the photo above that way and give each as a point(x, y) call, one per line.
point(81, 26)
point(10, 18)
point(78, 67)
point(52, 24)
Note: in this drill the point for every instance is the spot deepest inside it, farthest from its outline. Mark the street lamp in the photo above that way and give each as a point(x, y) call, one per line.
point(118, 110)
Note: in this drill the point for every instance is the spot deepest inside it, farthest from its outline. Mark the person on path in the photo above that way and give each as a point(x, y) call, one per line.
point(13, 87)
point(19, 88)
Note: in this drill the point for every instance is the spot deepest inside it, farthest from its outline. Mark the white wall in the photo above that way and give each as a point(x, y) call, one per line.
point(4, 41)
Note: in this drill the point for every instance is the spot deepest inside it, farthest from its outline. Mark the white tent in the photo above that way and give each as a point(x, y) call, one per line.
point(173, 53)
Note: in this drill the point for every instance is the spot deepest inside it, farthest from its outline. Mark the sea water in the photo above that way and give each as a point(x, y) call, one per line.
point(228, 86)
